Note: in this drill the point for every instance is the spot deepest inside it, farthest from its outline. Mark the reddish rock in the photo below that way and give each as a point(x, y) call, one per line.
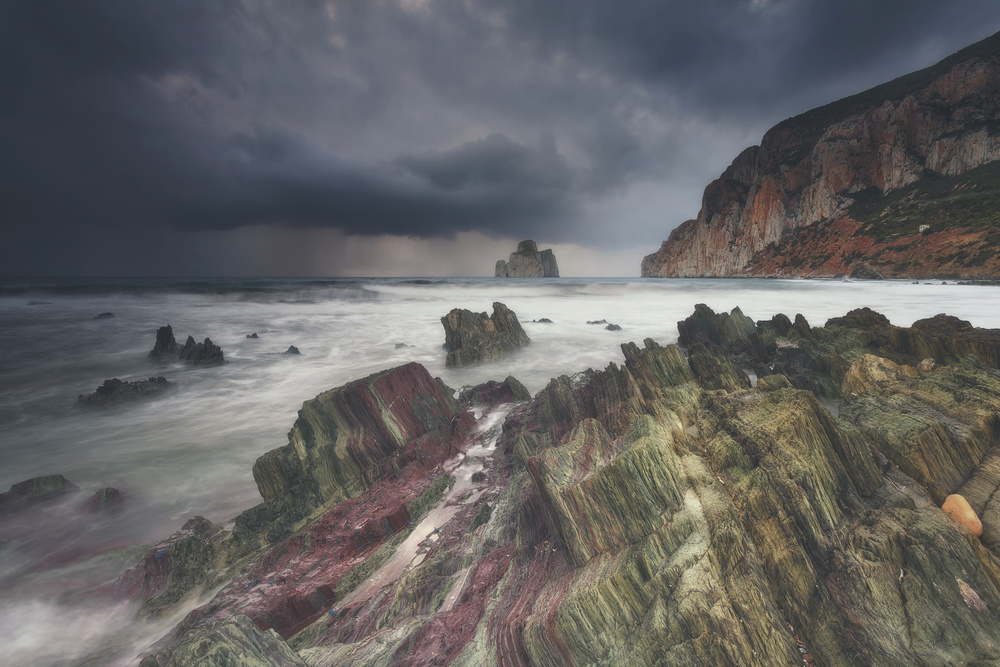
point(960, 510)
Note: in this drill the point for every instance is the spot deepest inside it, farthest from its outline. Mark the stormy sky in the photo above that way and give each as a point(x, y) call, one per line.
point(407, 137)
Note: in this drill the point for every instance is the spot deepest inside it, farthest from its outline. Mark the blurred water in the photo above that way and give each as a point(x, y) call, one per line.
point(191, 450)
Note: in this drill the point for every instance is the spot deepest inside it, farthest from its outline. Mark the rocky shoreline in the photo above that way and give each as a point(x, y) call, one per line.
point(762, 493)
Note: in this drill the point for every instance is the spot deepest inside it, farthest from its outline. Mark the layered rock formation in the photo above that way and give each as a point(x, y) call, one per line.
point(900, 179)
point(659, 511)
point(474, 338)
point(528, 262)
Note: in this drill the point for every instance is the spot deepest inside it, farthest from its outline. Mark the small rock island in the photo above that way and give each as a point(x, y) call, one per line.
point(528, 262)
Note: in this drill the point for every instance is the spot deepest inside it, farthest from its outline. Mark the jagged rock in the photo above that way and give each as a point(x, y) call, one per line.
point(292, 350)
point(201, 354)
point(597, 321)
point(474, 338)
point(34, 491)
point(493, 392)
point(104, 316)
point(253, 335)
point(348, 438)
point(733, 333)
point(528, 262)
point(613, 327)
point(870, 373)
point(227, 643)
point(960, 510)
point(165, 348)
point(949, 339)
point(104, 499)
point(542, 320)
point(715, 371)
point(115, 391)
point(632, 515)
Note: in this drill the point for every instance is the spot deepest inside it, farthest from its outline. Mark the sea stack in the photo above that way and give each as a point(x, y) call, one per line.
point(528, 262)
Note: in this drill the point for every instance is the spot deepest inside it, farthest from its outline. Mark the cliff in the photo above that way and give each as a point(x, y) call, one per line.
point(664, 510)
point(900, 179)
point(528, 262)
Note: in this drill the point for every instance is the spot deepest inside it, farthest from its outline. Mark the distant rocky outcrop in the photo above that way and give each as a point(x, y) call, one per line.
point(115, 391)
point(528, 262)
point(292, 350)
point(108, 498)
point(166, 349)
point(104, 316)
point(898, 181)
point(474, 338)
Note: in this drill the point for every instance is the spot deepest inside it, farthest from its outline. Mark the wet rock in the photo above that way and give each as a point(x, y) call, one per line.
point(115, 391)
point(960, 510)
point(292, 350)
point(494, 393)
point(108, 498)
point(165, 348)
point(253, 335)
point(35, 491)
point(206, 353)
point(474, 338)
point(613, 327)
point(104, 316)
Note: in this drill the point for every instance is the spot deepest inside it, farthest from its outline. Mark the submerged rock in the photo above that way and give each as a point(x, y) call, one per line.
point(115, 391)
point(34, 491)
point(613, 327)
point(253, 335)
point(474, 338)
point(104, 499)
point(104, 316)
point(528, 262)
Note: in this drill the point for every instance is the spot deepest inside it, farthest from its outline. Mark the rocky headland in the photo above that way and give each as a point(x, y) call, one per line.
point(528, 262)
point(474, 338)
point(765, 493)
point(901, 180)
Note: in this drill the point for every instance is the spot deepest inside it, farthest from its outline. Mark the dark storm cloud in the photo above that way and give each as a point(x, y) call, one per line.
point(123, 121)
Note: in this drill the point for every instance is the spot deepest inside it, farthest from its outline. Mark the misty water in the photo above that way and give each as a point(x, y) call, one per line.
point(190, 450)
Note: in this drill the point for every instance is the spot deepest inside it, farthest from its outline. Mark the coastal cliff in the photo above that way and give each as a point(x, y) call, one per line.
point(897, 181)
point(664, 510)
point(528, 262)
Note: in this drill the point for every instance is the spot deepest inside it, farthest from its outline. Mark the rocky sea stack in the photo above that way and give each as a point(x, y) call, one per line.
point(474, 338)
point(899, 181)
point(166, 349)
point(665, 510)
point(528, 262)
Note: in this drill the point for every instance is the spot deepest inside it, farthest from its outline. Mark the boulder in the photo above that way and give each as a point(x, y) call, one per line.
point(528, 262)
point(115, 391)
point(960, 510)
point(474, 338)
point(870, 373)
point(493, 392)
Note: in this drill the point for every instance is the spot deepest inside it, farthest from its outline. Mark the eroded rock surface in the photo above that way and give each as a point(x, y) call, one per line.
point(474, 338)
point(658, 511)
point(115, 391)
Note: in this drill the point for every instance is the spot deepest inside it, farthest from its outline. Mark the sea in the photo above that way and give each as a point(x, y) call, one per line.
point(190, 450)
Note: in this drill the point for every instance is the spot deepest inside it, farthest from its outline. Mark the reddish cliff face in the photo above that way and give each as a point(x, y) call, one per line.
point(815, 169)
